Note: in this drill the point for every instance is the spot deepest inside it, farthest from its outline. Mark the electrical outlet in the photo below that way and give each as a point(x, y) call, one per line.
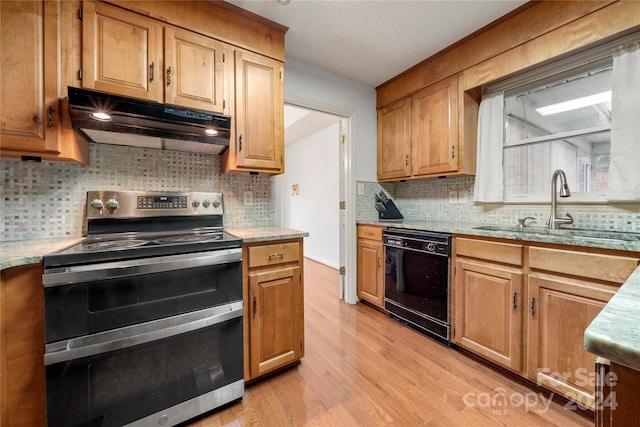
point(247, 198)
point(453, 197)
point(360, 189)
point(462, 196)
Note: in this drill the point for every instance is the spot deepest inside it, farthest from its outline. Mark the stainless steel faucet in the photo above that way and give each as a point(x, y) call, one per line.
point(564, 192)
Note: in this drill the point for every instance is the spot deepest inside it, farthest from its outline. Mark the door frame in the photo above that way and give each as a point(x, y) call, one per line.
point(348, 284)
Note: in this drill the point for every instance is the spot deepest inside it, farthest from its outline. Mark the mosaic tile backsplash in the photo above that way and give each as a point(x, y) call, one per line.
point(44, 200)
point(428, 199)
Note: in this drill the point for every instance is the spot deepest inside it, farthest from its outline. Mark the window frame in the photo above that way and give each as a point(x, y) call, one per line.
point(569, 65)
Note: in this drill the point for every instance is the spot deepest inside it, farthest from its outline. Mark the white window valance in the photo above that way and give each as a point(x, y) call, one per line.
point(624, 169)
point(489, 186)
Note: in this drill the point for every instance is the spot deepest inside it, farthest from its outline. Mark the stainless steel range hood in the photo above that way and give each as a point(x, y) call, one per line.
point(141, 123)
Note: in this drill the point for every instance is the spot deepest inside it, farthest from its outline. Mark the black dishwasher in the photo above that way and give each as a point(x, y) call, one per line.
point(417, 280)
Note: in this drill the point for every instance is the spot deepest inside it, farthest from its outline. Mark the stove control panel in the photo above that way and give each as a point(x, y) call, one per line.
point(138, 204)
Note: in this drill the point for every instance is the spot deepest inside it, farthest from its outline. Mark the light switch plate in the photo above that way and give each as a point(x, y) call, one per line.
point(360, 189)
point(453, 197)
point(247, 198)
point(463, 196)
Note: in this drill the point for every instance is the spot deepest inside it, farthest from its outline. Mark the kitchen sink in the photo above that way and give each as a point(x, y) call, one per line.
point(577, 233)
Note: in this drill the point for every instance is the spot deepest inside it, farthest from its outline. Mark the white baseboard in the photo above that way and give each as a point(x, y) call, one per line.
point(322, 261)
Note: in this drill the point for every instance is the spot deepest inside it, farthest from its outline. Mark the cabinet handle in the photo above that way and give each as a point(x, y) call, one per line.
point(533, 306)
point(406, 160)
point(453, 152)
point(50, 110)
point(379, 262)
point(240, 143)
point(169, 76)
point(153, 71)
point(255, 304)
point(279, 254)
point(513, 302)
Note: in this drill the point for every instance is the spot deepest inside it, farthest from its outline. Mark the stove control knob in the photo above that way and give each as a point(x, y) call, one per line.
point(97, 204)
point(206, 203)
point(112, 204)
point(195, 203)
point(431, 247)
point(216, 203)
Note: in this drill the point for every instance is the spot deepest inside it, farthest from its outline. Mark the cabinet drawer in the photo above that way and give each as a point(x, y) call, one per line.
point(610, 268)
point(506, 253)
point(278, 253)
point(370, 232)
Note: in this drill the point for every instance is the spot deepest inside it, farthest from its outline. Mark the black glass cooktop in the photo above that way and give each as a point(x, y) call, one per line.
point(120, 246)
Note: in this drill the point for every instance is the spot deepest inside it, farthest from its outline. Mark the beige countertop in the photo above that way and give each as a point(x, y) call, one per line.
point(16, 253)
point(260, 234)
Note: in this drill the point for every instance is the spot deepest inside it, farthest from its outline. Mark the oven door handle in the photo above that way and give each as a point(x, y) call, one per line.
point(135, 267)
point(129, 336)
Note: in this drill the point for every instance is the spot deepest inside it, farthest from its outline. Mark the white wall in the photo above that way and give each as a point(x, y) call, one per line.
point(312, 163)
point(339, 95)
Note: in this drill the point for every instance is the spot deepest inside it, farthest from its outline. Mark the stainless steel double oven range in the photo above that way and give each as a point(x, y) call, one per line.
point(143, 319)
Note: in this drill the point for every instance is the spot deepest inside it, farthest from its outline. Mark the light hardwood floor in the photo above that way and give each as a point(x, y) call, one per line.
point(362, 368)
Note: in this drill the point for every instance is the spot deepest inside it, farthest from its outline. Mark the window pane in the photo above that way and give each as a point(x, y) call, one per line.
point(562, 125)
point(525, 117)
point(584, 159)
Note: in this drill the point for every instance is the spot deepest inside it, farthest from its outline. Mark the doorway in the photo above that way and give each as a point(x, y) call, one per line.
point(316, 179)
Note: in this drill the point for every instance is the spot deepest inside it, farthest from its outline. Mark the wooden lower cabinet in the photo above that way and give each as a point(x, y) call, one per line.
point(617, 402)
point(488, 304)
point(22, 372)
point(274, 306)
point(559, 310)
point(371, 265)
point(526, 307)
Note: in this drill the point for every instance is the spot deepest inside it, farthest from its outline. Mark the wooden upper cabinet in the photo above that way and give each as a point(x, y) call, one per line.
point(32, 114)
point(394, 140)
point(258, 142)
point(29, 91)
point(194, 70)
point(122, 52)
point(129, 54)
point(435, 129)
point(429, 134)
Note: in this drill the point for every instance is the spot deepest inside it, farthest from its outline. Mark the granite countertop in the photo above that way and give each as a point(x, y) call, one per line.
point(261, 234)
point(565, 236)
point(16, 253)
point(615, 332)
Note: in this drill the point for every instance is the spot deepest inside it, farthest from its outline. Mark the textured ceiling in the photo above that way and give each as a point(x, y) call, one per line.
point(372, 41)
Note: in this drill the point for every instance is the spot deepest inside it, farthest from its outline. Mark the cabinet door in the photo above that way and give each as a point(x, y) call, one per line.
point(29, 107)
point(259, 117)
point(371, 271)
point(276, 319)
point(22, 371)
point(558, 312)
point(122, 52)
point(488, 307)
point(394, 141)
point(435, 129)
point(194, 70)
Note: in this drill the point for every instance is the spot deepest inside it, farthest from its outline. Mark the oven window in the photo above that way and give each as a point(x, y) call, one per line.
point(87, 308)
point(119, 387)
point(418, 281)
